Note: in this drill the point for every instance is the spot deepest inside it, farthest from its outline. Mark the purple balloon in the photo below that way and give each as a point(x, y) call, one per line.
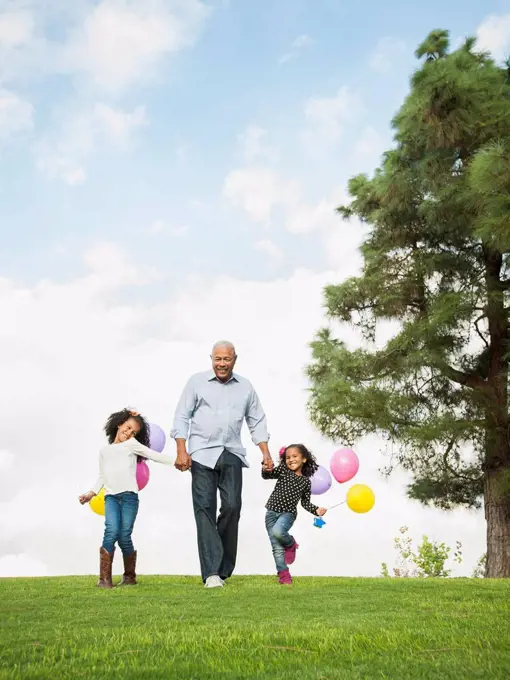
point(157, 437)
point(321, 481)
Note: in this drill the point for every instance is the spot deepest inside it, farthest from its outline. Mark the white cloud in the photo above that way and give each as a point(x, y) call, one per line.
point(111, 46)
point(252, 142)
point(300, 43)
point(162, 227)
point(121, 41)
point(341, 241)
point(493, 35)
point(27, 52)
point(370, 145)
point(262, 193)
point(328, 116)
point(270, 248)
point(97, 353)
point(82, 133)
point(110, 268)
point(120, 124)
point(157, 227)
point(266, 197)
point(387, 52)
point(16, 28)
point(16, 115)
point(6, 460)
point(258, 191)
point(303, 218)
point(63, 167)
point(21, 565)
point(303, 41)
point(108, 258)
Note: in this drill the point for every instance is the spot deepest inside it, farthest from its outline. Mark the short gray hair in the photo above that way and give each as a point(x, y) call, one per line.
point(224, 343)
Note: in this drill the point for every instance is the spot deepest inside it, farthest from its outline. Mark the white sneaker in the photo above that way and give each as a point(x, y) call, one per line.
point(213, 582)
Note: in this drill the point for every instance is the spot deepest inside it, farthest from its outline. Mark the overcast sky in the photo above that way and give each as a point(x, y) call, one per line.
point(168, 176)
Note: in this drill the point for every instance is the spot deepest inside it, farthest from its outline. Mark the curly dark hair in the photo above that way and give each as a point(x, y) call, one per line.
point(119, 418)
point(310, 467)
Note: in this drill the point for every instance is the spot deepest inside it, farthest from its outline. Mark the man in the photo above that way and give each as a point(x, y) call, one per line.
point(209, 416)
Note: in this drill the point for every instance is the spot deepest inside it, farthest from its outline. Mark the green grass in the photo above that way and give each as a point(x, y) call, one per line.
point(170, 627)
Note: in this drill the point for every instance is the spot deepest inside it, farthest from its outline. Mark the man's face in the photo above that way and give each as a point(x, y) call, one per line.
point(223, 361)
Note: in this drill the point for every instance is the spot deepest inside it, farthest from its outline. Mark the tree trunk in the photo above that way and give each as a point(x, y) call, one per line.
point(497, 452)
point(497, 514)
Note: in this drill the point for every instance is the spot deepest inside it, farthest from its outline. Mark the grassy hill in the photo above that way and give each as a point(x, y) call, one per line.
point(320, 628)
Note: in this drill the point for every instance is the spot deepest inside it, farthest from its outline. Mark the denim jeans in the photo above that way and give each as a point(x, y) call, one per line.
point(278, 525)
point(217, 537)
point(120, 512)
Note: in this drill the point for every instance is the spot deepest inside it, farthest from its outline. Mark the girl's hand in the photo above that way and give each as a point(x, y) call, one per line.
point(86, 497)
point(183, 460)
point(321, 511)
point(267, 463)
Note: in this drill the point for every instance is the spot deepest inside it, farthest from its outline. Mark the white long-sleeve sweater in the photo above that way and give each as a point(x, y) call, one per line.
point(117, 466)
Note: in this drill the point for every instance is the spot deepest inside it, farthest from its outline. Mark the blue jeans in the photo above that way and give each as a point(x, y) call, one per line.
point(217, 536)
point(120, 512)
point(278, 525)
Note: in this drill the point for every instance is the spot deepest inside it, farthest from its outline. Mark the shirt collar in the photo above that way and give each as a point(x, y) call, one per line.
point(212, 376)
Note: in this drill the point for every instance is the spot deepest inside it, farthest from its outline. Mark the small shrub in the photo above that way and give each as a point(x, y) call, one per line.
point(428, 559)
point(479, 570)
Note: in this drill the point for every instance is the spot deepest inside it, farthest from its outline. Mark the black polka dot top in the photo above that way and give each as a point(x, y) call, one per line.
point(289, 490)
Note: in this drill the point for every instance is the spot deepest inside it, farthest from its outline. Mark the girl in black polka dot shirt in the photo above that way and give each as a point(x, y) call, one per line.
point(293, 485)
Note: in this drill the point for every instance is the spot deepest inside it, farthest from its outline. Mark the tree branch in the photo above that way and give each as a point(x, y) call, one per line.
point(453, 472)
point(465, 379)
point(479, 332)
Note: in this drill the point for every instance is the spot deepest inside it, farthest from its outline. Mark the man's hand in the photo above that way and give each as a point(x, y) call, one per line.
point(86, 497)
point(321, 511)
point(267, 462)
point(183, 461)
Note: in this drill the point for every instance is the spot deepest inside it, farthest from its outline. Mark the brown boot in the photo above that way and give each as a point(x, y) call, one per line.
point(105, 568)
point(129, 578)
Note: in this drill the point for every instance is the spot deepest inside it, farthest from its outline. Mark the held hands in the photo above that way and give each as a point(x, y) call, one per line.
point(86, 497)
point(267, 463)
point(321, 511)
point(183, 461)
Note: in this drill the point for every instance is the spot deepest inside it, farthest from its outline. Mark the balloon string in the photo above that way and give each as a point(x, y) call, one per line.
point(336, 506)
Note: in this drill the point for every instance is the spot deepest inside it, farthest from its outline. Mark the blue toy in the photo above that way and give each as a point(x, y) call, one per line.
point(319, 522)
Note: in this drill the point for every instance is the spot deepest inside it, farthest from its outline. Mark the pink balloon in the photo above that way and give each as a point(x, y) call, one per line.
point(142, 474)
point(344, 465)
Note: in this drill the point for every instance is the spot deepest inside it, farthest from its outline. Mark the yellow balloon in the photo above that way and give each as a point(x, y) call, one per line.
point(360, 498)
point(97, 503)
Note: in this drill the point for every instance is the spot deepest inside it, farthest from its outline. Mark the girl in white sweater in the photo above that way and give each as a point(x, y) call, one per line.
point(128, 436)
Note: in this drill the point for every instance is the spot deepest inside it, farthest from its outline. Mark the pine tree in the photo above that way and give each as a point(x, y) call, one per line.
point(436, 264)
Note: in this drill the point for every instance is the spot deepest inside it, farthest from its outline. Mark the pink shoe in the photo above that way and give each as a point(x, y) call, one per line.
point(290, 553)
point(284, 577)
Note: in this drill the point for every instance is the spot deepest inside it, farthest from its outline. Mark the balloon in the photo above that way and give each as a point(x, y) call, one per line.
point(97, 503)
point(360, 498)
point(318, 522)
point(321, 481)
point(344, 465)
point(157, 438)
point(142, 474)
